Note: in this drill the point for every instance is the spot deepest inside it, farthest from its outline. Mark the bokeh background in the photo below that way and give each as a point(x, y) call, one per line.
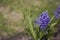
point(11, 14)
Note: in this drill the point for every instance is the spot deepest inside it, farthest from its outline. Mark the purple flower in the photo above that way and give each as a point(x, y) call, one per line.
point(57, 12)
point(42, 20)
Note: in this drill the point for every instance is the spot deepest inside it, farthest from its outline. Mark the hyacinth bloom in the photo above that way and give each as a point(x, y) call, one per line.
point(42, 20)
point(57, 12)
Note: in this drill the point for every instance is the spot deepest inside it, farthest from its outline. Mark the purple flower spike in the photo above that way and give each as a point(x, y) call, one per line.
point(57, 12)
point(58, 8)
point(42, 20)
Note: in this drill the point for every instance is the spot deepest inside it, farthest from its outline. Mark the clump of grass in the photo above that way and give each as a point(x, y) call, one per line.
point(3, 23)
point(6, 2)
point(5, 26)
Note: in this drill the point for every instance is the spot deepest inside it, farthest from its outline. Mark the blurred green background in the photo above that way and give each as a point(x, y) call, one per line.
point(11, 13)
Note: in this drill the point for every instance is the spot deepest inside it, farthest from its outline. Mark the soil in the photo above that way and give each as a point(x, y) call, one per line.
point(56, 35)
point(19, 36)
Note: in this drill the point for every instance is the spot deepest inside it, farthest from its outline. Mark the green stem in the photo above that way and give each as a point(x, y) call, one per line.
point(51, 19)
point(31, 29)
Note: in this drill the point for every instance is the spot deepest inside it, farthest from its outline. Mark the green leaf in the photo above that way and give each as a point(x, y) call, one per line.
point(58, 20)
point(53, 24)
point(32, 29)
point(41, 34)
point(51, 19)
